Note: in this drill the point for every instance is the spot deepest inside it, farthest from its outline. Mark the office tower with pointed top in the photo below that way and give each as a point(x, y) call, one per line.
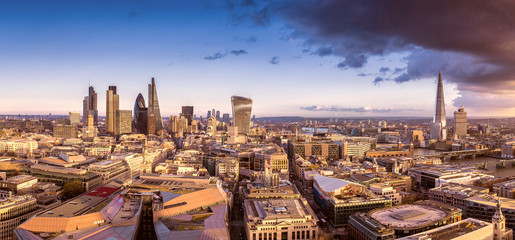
point(112, 105)
point(90, 106)
point(439, 124)
point(140, 115)
point(241, 112)
point(153, 108)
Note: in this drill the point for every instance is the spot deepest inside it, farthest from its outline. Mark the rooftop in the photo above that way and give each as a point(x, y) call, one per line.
point(407, 216)
point(452, 231)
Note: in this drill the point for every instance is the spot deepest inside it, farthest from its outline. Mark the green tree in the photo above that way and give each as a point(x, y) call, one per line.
point(72, 189)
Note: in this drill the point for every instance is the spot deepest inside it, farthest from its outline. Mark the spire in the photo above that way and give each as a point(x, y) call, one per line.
point(440, 116)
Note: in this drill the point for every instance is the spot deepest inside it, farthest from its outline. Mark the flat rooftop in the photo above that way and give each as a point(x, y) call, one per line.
point(452, 231)
point(407, 216)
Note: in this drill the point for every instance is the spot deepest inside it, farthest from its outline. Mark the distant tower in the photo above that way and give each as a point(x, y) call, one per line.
point(460, 123)
point(112, 105)
point(439, 125)
point(187, 112)
point(241, 112)
point(153, 107)
point(90, 105)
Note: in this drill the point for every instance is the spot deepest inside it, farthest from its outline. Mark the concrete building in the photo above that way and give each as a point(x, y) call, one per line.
point(363, 227)
point(112, 105)
point(241, 112)
point(505, 189)
point(228, 167)
point(454, 194)
point(123, 122)
point(62, 175)
point(286, 219)
point(382, 189)
point(17, 183)
point(329, 149)
point(74, 118)
point(460, 123)
point(409, 219)
point(469, 228)
point(484, 207)
point(65, 131)
point(339, 199)
point(13, 212)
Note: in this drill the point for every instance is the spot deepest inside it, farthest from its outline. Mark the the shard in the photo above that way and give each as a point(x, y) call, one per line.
point(153, 106)
point(439, 125)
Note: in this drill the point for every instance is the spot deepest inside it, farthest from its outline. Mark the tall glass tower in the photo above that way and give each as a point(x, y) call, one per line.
point(241, 112)
point(439, 125)
point(153, 105)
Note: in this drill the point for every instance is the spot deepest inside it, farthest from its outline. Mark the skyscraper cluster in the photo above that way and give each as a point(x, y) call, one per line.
point(147, 120)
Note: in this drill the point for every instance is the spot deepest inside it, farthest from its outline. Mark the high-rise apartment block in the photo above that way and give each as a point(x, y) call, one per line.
point(241, 112)
point(112, 105)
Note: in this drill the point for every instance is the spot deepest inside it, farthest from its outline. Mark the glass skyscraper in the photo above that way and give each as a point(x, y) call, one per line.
point(241, 112)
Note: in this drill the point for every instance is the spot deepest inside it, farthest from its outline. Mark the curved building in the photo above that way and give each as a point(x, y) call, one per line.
point(241, 112)
point(140, 115)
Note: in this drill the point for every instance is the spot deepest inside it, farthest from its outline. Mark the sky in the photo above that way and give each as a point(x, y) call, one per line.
point(311, 58)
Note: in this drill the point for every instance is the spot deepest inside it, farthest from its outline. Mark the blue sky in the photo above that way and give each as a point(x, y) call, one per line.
point(200, 53)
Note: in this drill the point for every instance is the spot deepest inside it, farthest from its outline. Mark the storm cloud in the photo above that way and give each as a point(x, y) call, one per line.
point(472, 42)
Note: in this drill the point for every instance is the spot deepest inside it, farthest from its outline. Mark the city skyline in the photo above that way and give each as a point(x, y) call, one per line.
point(224, 49)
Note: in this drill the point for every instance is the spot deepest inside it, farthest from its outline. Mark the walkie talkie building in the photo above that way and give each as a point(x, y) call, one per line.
point(241, 112)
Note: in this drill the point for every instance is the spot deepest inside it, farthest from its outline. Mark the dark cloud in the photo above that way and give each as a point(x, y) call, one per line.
point(238, 52)
point(471, 42)
point(321, 108)
point(215, 56)
point(274, 60)
point(219, 55)
point(250, 39)
point(378, 80)
point(384, 70)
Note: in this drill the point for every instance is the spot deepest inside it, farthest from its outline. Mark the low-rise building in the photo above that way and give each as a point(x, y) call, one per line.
point(505, 189)
point(286, 219)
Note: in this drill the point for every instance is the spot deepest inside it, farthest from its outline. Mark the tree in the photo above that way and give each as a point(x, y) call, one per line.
point(72, 189)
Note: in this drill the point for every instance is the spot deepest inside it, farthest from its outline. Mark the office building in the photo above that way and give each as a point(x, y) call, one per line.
point(226, 118)
point(74, 118)
point(484, 207)
point(469, 228)
point(65, 131)
point(151, 124)
point(460, 123)
point(90, 131)
point(288, 219)
point(112, 105)
point(90, 105)
point(123, 122)
point(241, 112)
point(339, 199)
point(140, 115)
point(14, 211)
point(327, 149)
point(505, 189)
point(363, 227)
point(218, 115)
point(421, 216)
point(187, 112)
point(439, 124)
point(153, 107)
